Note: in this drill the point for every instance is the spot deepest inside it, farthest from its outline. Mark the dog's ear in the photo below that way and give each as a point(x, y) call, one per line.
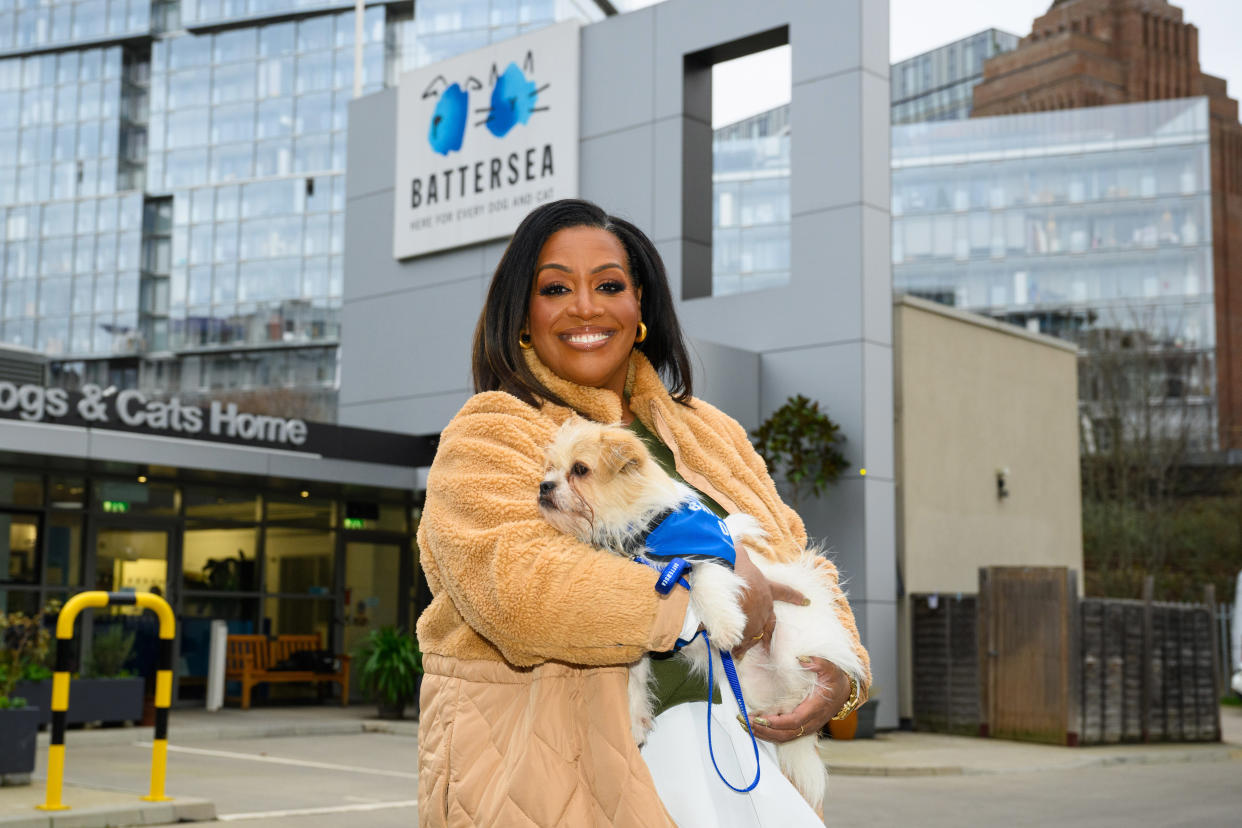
point(621, 451)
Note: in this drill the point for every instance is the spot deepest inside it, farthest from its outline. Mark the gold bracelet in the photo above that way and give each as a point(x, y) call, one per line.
point(851, 702)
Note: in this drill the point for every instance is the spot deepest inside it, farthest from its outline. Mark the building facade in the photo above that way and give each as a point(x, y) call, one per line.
point(1093, 225)
point(824, 332)
point(939, 85)
point(1098, 52)
point(172, 192)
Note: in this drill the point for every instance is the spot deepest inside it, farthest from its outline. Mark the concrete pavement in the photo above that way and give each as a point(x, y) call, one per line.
point(259, 764)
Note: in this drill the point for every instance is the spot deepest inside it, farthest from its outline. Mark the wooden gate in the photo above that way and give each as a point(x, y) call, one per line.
point(1029, 653)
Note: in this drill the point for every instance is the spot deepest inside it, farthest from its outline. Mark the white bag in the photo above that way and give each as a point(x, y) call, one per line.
point(676, 752)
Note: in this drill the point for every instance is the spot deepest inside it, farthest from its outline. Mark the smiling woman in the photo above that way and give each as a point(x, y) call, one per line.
point(529, 632)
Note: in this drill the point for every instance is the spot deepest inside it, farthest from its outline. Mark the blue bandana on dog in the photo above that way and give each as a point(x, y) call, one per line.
point(692, 532)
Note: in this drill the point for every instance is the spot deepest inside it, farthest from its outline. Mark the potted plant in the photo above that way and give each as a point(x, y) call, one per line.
point(24, 641)
point(800, 441)
point(106, 691)
point(391, 667)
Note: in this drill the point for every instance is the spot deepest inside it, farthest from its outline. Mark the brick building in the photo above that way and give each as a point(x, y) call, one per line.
point(1096, 52)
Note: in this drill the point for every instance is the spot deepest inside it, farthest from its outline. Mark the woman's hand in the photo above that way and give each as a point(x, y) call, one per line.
point(757, 602)
point(830, 694)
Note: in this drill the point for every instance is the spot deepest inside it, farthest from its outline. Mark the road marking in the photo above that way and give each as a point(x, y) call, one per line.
point(329, 809)
point(276, 760)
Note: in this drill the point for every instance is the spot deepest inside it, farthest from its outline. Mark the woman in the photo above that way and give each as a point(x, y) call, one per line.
point(523, 713)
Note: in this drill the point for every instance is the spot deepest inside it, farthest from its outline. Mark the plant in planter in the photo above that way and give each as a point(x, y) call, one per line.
point(801, 442)
point(25, 641)
point(391, 667)
point(106, 691)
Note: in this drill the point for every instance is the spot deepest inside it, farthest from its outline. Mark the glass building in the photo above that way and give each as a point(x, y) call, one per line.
point(750, 171)
point(939, 85)
point(750, 203)
point(1093, 225)
point(171, 182)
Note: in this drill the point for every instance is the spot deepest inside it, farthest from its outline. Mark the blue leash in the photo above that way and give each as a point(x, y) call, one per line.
point(730, 671)
point(671, 574)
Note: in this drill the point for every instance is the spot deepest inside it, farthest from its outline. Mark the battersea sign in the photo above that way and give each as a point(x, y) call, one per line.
point(483, 138)
point(131, 410)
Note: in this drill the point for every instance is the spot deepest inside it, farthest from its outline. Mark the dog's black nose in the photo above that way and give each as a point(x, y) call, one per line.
point(546, 488)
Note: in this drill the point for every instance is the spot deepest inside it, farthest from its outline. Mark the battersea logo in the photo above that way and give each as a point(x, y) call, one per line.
point(514, 99)
point(483, 138)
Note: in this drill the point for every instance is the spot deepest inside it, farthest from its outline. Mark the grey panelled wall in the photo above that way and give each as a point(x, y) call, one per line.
point(645, 122)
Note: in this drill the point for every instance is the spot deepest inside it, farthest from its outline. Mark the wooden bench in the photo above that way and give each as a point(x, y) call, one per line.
point(251, 660)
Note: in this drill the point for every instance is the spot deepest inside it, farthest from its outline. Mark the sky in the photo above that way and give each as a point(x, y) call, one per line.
point(917, 26)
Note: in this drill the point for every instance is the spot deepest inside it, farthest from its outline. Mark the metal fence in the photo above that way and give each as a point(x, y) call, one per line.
point(1149, 672)
point(1140, 670)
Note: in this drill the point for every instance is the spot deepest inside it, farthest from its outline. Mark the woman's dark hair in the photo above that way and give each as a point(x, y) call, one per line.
point(497, 362)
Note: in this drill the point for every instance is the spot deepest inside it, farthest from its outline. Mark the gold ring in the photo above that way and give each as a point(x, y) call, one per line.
point(801, 730)
point(759, 636)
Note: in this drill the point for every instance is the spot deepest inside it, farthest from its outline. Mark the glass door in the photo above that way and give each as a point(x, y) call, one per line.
point(132, 560)
point(374, 578)
point(131, 557)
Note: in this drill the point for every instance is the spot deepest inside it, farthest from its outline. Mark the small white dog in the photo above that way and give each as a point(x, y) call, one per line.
point(602, 487)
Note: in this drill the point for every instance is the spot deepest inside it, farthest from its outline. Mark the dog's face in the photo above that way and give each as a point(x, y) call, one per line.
point(595, 479)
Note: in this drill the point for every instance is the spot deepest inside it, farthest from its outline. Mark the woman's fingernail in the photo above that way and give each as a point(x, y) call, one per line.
point(804, 660)
point(759, 720)
point(806, 602)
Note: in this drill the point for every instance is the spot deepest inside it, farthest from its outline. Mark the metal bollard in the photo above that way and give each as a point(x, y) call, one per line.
point(60, 689)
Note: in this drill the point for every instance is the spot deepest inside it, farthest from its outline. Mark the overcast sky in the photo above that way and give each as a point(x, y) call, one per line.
point(917, 26)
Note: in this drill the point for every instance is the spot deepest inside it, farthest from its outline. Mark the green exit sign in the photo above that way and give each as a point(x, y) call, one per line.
point(116, 506)
point(355, 523)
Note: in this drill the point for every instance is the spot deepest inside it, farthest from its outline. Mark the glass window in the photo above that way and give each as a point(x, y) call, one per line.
point(63, 548)
point(197, 613)
point(125, 496)
point(233, 83)
point(19, 548)
point(234, 46)
point(16, 600)
point(220, 558)
point(298, 616)
point(279, 39)
point(20, 489)
point(221, 504)
point(315, 34)
point(298, 561)
point(131, 560)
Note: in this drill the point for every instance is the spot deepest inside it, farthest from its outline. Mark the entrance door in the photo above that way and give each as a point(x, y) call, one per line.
point(132, 559)
point(375, 584)
point(128, 558)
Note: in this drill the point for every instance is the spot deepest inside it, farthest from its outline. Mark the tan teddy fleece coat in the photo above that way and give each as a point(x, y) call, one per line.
point(524, 718)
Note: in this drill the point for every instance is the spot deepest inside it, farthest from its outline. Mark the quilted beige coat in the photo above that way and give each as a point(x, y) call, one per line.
point(524, 718)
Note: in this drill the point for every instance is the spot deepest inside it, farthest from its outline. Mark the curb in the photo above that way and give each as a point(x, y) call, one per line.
point(187, 809)
point(1224, 753)
point(125, 735)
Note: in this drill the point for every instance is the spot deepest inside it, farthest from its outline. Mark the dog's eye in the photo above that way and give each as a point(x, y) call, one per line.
point(579, 470)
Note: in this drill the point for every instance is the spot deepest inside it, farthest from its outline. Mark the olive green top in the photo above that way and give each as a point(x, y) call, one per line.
point(671, 682)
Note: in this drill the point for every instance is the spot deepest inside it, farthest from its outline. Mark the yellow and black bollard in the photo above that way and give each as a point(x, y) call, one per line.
point(60, 688)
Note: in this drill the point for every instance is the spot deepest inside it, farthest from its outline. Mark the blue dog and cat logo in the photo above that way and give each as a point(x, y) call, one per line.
point(514, 99)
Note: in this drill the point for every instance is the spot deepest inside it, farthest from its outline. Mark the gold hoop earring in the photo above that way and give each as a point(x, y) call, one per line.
point(524, 341)
point(642, 333)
